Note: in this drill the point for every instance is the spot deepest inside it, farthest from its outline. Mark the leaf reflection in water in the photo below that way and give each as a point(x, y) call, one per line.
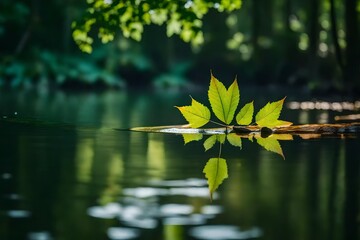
point(216, 170)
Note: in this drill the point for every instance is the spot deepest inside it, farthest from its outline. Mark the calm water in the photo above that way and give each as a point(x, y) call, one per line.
point(66, 173)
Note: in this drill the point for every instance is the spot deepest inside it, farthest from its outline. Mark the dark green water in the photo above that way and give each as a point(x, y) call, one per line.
point(70, 175)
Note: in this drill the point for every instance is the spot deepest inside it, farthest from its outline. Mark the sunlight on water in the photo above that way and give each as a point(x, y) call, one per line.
point(108, 211)
point(322, 105)
point(179, 183)
point(222, 232)
point(175, 209)
point(145, 192)
point(40, 236)
point(18, 213)
point(142, 207)
point(194, 219)
point(120, 233)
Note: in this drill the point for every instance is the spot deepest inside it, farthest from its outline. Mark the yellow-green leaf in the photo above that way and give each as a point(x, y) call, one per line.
point(215, 171)
point(268, 115)
point(271, 144)
point(221, 138)
point(189, 137)
point(223, 101)
point(197, 114)
point(210, 142)
point(234, 140)
point(245, 115)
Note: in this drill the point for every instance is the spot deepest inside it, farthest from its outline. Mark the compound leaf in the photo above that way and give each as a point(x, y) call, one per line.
point(223, 101)
point(197, 114)
point(244, 117)
point(215, 171)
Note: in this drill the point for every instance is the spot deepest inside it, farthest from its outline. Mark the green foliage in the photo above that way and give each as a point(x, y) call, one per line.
point(197, 114)
point(183, 18)
point(215, 171)
point(271, 144)
point(234, 139)
point(50, 68)
point(245, 115)
point(224, 103)
point(268, 115)
point(189, 137)
point(210, 141)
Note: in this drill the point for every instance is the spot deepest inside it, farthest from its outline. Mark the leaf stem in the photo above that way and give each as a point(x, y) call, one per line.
point(220, 149)
point(220, 124)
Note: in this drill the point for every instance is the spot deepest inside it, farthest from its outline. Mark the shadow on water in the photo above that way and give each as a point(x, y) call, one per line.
point(66, 174)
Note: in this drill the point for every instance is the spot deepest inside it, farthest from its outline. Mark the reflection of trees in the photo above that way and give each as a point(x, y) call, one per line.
point(306, 192)
point(61, 172)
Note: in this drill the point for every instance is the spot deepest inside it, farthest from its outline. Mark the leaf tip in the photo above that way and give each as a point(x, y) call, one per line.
point(211, 195)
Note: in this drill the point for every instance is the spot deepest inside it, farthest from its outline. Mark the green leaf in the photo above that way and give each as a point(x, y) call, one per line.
point(271, 144)
point(215, 171)
point(189, 137)
point(210, 142)
point(223, 102)
point(197, 114)
point(245, 115)
point(221, 138)
point(268, 115)
point(234, 140)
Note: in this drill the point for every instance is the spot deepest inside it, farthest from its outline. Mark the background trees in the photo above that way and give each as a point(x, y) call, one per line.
point(174, 43)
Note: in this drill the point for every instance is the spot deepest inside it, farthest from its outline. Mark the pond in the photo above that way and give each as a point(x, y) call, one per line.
point(69, 169)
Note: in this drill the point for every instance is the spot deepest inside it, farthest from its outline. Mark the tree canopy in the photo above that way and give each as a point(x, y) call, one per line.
point(183, 18)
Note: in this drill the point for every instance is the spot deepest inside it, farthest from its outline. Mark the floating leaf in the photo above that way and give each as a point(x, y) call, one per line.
point(210, 142)
point(223, 102)
point(268, 115)
point(245, 115)
point(197, 114)
point(271, 144)
point(234, 140)
point(189, 137)
point(215, 171)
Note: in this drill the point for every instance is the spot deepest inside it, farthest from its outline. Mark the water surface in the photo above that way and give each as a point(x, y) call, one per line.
point(67, 172)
